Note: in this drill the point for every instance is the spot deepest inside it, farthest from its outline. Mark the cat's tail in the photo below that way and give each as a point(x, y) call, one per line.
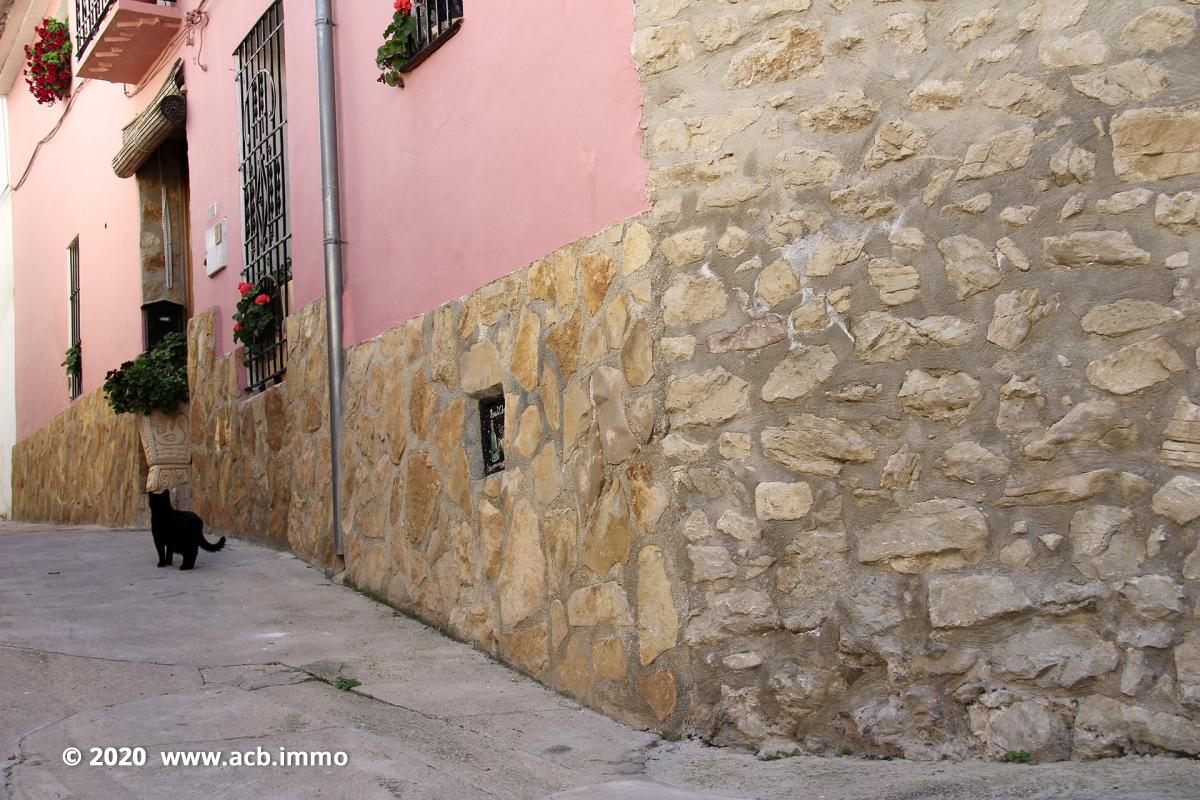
point(209, 546)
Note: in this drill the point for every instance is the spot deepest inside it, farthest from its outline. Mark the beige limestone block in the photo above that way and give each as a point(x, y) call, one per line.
point(599, 604)
point(638, 248)
point(607, 540)
point(811, 315)
point(777, 283)
point(1122, 83)
point(1072, 164)
point(787, 52)
point(840, 112)
point(714, 33)
point(935, 95)
point(559, 530)
point(577, 415)
point(1135, 367)
point(832, 253)
point(707, 398)
point(739, 526)
point(895, 141)
point(866, 200)
point(1123, 202)
point(657, 620)
point(1014, 315)
point(1178, 500)
point(734, 446)
point(816, 445)
point(480, 369)
point(1158, 28)
point(686, 247)
point(596, 273)
point(1181, 439)
point(1098, 421)
point(942, 396)
point(934, 534)
point(1020, 94)
point(1051, 15)
point(1093, 248)
point(692, 299)
point(1151, 144)
point(678, 348)
point(521, 583)
point(710, 563)
point(1004, 152)
point(1083, 50)
point(1057, 491)
point(443, 356)
point(529, 432)
point(1058, 656)
point(637, 356)
point(524, 364)
point(970, 266)
point(801, 166)
point(1179, 213)
point(609, 659)
point(1127, 315)
point(733, 241)
point(897, 283)
point(782, 501)
point(658, 690)
point(754, 335)
point(563, 341)
point(902, 470)
point(547, 475)
point(799, 374)
point(968, 600)
point(907, 31)
point(662, 48)
point(608, 395)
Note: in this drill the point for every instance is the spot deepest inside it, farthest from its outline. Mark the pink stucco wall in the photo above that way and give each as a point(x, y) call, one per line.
point(522, 134)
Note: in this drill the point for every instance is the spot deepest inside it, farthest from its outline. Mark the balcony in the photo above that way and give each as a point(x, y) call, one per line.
point(119, 40)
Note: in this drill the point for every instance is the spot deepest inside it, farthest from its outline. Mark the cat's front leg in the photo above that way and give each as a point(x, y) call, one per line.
point(164, 557)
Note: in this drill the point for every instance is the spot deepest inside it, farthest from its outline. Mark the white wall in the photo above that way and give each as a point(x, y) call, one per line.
point(8, 402)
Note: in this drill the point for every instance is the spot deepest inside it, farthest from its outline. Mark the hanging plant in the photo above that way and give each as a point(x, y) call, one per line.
point(154, 381)
point(48, 62)
point(73, 361)
point(258, 314)
point(399, 43)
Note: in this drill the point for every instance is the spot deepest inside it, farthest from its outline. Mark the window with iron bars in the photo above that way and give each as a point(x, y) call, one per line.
point(74, 376)
point(267, 236)
point(437, 21)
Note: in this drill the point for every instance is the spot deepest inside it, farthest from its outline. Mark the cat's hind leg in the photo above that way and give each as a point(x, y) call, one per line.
point(189, 557)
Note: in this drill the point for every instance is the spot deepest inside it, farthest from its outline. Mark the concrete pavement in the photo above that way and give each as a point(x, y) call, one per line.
point(98, 648)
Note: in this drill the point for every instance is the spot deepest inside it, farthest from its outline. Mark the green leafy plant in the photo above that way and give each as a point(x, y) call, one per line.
point(48, 62)
point(1016, 757)
point(154, 381)
point(399, 43)
point(73, 361)
point(346, 684)
point(844, 751)
point(782, 754)
point(257, 315)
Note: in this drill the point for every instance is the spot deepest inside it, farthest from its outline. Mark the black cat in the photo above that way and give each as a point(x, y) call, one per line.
point(177, 532)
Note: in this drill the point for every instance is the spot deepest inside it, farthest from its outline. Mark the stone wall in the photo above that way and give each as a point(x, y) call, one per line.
point(84, 468)
point(877, 431)
point(929, 323)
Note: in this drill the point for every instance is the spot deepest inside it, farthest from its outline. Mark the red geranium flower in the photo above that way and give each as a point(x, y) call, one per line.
point(245, 288)
point(237, 327)
point(403, 6)
point(262, 299)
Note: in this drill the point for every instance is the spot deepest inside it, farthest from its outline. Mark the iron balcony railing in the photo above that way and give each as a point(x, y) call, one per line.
point(88, 16)
point(437, 21)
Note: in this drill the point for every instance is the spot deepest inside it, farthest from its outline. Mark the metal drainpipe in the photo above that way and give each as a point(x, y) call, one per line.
point(332, 213)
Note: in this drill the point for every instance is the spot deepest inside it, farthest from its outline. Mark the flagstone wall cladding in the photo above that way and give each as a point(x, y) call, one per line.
point(84, 468)
point(877, 431)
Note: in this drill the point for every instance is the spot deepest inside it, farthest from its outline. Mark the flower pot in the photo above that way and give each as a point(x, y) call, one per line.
point(167, 440)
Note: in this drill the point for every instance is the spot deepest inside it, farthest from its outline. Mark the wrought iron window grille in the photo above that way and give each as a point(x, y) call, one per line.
point(437, 22)
point(89, 14)
point(267, 237)
point(75, 377)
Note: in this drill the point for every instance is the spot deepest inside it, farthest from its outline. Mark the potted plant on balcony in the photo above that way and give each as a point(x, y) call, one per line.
point(257, 315)
point(48, 62)
point(154, 386)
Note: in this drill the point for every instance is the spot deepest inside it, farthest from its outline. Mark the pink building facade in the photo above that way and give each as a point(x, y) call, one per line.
point(468, 173)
